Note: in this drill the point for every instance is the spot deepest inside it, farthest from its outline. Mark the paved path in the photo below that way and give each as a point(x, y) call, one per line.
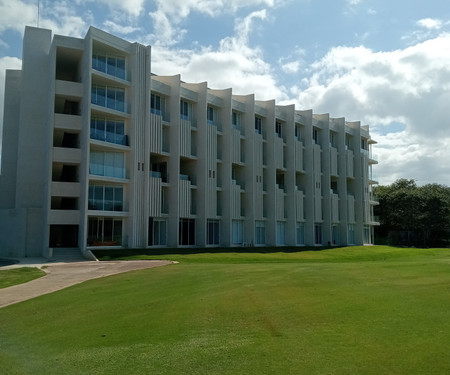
point(63, 275)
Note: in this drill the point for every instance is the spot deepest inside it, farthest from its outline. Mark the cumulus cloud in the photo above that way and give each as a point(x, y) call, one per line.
point(116, 28)
point(430, 23)
point(12, 19)
point(169, 14)
point(130, 7)
point(55, 15)
point(234, 64)
point(409, 86)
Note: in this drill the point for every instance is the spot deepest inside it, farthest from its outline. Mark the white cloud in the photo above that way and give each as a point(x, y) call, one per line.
point(291, 67)
point(234, 64)
point(430, 23)
point(353, 2)
point(131, 7)
point(116, 28)
point(169, 15)
point(411, 86)
point(14, 19)
point(56, 15)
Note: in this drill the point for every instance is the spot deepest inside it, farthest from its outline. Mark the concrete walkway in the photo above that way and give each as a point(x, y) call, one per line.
point(63, 275)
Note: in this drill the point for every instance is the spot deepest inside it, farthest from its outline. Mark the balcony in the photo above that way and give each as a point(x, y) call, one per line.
point(374, 220)
point(158, 112)
point(69, 89)
point(66, 155)
point(105, 136)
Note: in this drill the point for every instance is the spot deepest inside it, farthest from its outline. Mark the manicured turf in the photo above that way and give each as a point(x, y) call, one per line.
point(19, 276)
point(372, 310)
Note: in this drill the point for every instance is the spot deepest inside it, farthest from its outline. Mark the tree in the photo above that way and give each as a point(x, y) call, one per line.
point(413, 215)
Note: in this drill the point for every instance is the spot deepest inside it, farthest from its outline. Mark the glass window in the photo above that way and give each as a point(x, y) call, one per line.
point(237, 229)
point(186, 232)
point(112, 65)
point(157, 232)
point(278, 129)
point(351, 234)
point(318, 234)
point(260, 233)
point(104, 231)
point(110, 164)
point(258, 125)
point(316, 136)
point(108, 130)
point(235, 120)
point(105, 198)
point(281, 233)
point(213, 232)
point(210, 115)
point(300, 233)
point(110, 97)
point(184, 110)
point(120, 67)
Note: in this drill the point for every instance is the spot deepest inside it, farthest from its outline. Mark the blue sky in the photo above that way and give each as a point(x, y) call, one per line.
point(383, 62)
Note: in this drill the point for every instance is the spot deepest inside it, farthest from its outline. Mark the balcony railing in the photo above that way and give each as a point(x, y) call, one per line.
point(105, 136)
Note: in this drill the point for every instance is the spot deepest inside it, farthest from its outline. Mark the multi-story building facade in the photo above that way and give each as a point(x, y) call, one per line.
point(99, 152)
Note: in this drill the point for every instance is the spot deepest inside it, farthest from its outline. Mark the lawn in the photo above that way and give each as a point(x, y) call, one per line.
point(371, 310)
point(21, 275)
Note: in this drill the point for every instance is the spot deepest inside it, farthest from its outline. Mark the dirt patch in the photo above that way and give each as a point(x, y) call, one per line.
point(63, 275)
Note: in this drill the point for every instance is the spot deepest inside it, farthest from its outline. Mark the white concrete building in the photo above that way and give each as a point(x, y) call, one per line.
point(98, 152)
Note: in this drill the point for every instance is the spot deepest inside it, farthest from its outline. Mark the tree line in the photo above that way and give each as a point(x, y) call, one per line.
point(412, 215)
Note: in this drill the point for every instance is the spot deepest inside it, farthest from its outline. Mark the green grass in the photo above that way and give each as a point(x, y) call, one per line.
point(372, 310)
point(21, 275)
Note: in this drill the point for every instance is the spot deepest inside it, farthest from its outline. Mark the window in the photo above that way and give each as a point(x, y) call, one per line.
point(212, 232)
point(237, 229)
point(318, 234)
point(260, 233)
point(348, 142)
point(332, 139)
point(109, 97)
point(281, 233)
point(104, 231)
point(316, 136)
point(258, 125)
point(351, 234)
point(110, 164)
point(184, 110)
point(112, 65)
point(105, 198)
point(186, 232)
point(335, 235)
point(278, 129)
point(155, 104)
point(235, 120)
point(363, 144)
point(297, 133)
point(108, 130)
point(300, 233)
point(157, 232)
point(210, 115)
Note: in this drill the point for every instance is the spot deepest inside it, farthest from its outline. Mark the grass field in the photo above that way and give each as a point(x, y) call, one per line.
point(362, 310)
point(19, 276)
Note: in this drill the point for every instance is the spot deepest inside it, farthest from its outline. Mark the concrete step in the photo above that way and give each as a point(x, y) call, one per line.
point(61, 254)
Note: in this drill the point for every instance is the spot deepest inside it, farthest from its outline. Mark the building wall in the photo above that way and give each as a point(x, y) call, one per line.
point(109, 155)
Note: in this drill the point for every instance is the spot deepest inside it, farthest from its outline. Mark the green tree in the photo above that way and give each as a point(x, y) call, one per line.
point(413, 215)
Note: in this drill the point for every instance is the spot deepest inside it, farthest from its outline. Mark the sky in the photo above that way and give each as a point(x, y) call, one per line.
point(385, 63)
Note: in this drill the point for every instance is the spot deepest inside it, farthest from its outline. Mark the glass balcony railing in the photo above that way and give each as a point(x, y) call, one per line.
point(105, 136)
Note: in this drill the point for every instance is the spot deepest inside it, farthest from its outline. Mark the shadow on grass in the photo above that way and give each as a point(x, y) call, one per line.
point(111, 254)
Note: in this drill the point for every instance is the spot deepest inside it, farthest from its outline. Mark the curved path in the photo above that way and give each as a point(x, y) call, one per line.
point(63, 275)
